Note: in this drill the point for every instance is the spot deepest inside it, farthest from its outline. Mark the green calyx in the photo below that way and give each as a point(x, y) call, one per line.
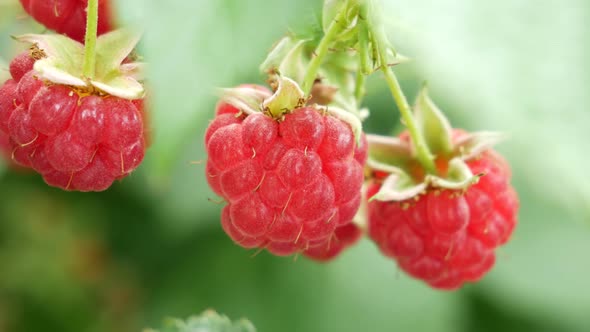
point(63, 62)
point(406, 177)
point(286, 98)
point(323, 62)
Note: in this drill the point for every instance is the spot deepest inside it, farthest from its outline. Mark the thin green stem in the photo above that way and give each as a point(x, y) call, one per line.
point(359, 88)
point(336, 26)
point(381, 42)
point(90, 40)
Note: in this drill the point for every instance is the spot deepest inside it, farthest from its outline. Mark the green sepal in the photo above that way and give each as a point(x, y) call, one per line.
point(472, 144)
point(112, 49)
point(287, 97)
point(247, 99)
point(458, 177)
point(394, 156)
point(209, 321)
point(63, 58)
point(388, 154)
point(63, 61)
point(397, 188)
point(433, 125)
point(287, 58)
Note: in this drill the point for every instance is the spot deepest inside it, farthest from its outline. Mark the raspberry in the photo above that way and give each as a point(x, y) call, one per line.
point(68, 16)
point(449, 237)
point(75, 140)
point(291, 185)
point(344, 236)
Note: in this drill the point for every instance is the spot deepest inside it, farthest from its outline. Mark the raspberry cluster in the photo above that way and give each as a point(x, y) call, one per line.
point(291, 185)
point(68, 16)
point(77, 140)
point(447, 237)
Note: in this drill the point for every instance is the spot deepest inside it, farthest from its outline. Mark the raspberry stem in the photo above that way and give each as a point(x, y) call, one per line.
point(381, 43)
point(335, 27)
point(90, 39)
point(359, 88)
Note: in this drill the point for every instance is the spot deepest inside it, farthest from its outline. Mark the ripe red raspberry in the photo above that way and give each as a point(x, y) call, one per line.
point(344, 237)
point(75, 140)
point(446, 237)
point(289, 184)
point(68, 16)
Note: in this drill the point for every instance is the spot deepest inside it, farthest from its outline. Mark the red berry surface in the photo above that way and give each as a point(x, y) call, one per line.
point(289, 184)
point(444, 237)
point(76, 141)
point(68, 16)
point(344, 237)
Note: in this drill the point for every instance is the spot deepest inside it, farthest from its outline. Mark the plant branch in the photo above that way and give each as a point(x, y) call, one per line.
point(336, 26)
point(381, 43)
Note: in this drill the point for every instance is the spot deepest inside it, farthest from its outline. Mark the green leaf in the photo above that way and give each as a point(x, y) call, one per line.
point(434, 126)
point(209, 321)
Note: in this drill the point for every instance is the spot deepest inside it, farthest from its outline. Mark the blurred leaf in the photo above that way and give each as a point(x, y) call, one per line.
point(212, 52)
point(181, 85)
point(543, 273)
point(480, 60)
point(209, 321)
point(495, 82)
point(361, 291)
point(4, 72)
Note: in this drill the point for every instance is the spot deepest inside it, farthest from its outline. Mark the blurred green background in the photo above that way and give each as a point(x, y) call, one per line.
point(152, 246)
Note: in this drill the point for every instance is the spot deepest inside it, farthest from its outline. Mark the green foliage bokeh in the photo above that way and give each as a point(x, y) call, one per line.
point(152, 247)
